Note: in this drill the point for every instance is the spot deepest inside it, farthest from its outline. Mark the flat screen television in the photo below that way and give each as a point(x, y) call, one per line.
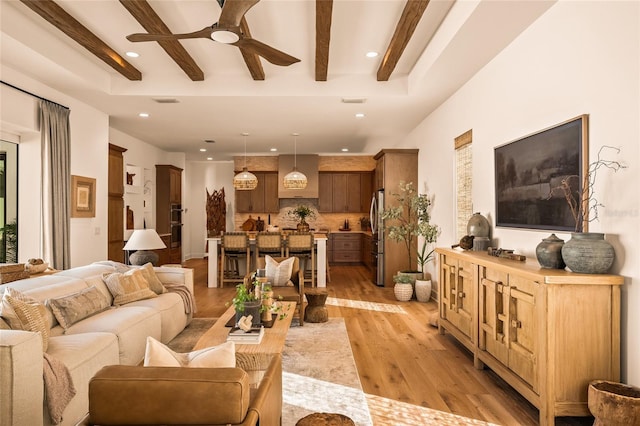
point(527, 169)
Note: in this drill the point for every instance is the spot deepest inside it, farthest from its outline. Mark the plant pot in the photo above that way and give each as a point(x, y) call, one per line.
point(549, 253)
point(251, 308)
point(414, 275)
point(614, 404)
point(303, 226)
point(403, 292)
point(423, 290)
point(588, 253)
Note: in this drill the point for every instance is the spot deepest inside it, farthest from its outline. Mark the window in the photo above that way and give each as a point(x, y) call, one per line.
point(8, 202)
point(464, 202)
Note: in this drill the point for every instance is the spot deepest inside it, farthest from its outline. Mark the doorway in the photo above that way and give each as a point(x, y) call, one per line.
point(8, 202)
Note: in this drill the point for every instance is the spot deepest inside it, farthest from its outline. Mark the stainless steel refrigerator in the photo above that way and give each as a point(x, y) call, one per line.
point(375, 215)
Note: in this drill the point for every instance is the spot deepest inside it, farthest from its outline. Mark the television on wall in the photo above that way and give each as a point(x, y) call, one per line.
point(527, 169)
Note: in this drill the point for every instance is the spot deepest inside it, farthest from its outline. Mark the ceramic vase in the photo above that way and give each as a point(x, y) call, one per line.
point(588, 253)
point(549, 252)
point(403, 291)
point(303, 226)
point(423, 290)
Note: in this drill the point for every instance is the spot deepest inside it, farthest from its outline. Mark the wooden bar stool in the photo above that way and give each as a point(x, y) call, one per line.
point(234, 246)
point(300, 244)
point(270, 243)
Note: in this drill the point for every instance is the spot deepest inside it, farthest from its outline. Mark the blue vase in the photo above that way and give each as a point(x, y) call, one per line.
point(588, 253)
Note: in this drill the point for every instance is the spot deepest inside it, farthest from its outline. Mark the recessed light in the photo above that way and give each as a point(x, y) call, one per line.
point(203, 150)
point(371, 54)
point(209, 158)
point(360, 115)
point(132, 54)
point(273, 149)
point(144, 114)
point(345, 149)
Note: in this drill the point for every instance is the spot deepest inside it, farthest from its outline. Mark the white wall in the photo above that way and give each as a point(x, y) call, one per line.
point(200, 177)
point(580, 57)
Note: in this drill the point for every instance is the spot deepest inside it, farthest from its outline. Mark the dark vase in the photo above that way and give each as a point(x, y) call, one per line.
point(549, 252)
point(303, 226)
point(251, 308)
point(588, 253)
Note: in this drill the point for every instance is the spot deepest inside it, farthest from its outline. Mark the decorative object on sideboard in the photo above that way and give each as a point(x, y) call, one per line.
point(295, 179)
point(588, 253)
point(614, 404)
point(301, 213)
point(143, 241)
point(505, 254)
point(479, 227)
point(549, 252)
point(130, 178)
point(403, 288)
point(245, 180)
point(466, 242)
point(216, 212)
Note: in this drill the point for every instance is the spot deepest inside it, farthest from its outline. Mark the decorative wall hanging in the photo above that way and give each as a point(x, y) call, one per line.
point(216, 213)
point(83, 196)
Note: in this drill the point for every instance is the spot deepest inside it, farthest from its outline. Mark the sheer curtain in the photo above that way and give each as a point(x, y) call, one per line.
point(56, 171)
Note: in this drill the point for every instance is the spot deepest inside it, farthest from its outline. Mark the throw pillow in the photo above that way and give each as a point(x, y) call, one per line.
point(279, 274)
point(31, 314)
point(159, 355)
point(154, 283)
point(70, 309)
point(6, 309)
point(128, 287)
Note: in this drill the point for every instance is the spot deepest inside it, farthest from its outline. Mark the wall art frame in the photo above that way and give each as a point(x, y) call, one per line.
point(83, 196)
point(528, 168)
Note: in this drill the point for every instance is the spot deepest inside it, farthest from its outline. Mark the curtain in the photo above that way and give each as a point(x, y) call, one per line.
point(56, 171)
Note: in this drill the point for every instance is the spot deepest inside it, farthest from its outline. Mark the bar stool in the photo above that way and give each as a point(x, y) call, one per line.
point(234, 246)
point(270, 243)
point(300, 244)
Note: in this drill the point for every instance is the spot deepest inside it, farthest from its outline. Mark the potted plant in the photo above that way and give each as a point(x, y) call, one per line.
point(406, 221)
point(586, 252)
point(248, 301)
point(403, 288)
point(365, 223)
point(301, 213)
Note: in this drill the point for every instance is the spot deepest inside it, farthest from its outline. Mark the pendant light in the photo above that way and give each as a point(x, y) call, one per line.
point(295, 179)
point(245, 180)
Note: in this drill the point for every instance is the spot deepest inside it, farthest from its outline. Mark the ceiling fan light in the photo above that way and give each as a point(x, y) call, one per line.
point(295, 180)
point(245, 180)
point(226, 37)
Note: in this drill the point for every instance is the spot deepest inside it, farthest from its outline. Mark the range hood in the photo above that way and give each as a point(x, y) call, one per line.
point(307, 164)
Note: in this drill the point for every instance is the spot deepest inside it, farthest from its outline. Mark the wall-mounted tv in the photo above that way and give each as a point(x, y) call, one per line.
point(528, 168)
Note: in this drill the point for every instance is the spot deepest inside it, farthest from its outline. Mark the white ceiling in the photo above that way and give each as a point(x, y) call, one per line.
point(453, 40)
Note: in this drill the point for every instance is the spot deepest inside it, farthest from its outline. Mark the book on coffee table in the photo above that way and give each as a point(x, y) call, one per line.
point(253, 336)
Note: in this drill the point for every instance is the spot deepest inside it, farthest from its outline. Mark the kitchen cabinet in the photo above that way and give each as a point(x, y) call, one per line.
point(367, 247)
point(346, 247)
point(115, 204)
point(262, 199)
point(343, 192)
point(546, 332)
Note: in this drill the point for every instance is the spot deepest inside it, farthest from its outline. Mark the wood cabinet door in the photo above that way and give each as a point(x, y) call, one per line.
point(379, 174)
point(354, 201)
point(458, 301)
point(366, 191)
point(257, 195)
point(175, 186)
point(494, 312)
point(523, 345)
point(340, 192)
point(116, 167)
point(325, 192)
point(271, 200)
point(115, 226)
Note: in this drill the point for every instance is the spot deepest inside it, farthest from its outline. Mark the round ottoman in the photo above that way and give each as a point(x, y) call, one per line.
point(316, 311)
point(325, 419)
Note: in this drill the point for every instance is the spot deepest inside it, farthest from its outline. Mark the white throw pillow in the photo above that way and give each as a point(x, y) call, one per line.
point(159, 355)
point(26, 313)
point(279, 274)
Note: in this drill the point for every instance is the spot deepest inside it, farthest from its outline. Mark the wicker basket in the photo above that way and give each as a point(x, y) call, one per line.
point(403, 292)
point(12, 272)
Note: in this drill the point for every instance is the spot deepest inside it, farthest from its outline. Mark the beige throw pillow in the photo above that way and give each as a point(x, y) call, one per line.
point(70, 309)
point(150, 275)
point(279, 274)
point(30, 314)
point(159, 355)
point(6, 308)
point(128, 287)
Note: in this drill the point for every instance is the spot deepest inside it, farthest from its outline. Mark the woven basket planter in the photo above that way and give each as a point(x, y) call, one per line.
point(403, 292)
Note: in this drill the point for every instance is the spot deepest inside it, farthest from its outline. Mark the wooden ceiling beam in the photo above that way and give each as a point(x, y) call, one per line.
point(150, 21)
point(413, 11)
point(323, 37)
point(59, 18)
point(251, 59)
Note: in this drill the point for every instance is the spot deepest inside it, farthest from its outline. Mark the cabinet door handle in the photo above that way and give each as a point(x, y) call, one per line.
point(499, 287)
point(461, 295)
point(516, 324)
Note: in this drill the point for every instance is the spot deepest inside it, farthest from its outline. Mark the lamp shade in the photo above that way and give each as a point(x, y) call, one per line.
point(144, 239)
point(295, 180)
point(245, 180)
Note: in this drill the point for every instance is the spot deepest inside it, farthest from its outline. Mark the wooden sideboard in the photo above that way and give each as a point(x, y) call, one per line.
point(546, 332)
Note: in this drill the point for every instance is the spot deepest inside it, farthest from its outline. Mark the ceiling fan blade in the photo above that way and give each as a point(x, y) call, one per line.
point(233, 11)
point(203, 33)
point(269, 53)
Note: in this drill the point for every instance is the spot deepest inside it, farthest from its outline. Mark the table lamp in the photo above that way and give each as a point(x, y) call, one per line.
point(143, 241)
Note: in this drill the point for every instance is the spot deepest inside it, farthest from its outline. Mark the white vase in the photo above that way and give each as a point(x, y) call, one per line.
point(423, 290)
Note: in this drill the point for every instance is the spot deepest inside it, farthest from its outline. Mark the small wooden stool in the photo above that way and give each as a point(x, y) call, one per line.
point(325, 419)
point(316, 311)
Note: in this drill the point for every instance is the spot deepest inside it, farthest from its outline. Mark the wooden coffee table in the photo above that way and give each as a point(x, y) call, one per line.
point(253, 356)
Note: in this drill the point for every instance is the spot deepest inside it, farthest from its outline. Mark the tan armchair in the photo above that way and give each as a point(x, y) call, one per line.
point(126, 395)
point(290, 294)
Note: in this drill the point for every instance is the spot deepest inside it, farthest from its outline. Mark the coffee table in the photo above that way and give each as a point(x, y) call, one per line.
point(252, 357)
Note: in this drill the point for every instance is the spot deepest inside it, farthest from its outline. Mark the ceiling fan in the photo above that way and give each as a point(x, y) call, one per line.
point(227, 30)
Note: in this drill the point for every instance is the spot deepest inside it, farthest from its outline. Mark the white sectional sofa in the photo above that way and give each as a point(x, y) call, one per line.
point(113, 336)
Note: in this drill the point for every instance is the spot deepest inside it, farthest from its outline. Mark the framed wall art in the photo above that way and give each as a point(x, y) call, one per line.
point(528, 169)
point(83, 196)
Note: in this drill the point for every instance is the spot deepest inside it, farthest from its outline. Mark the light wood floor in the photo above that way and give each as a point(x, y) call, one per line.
point(399, 356)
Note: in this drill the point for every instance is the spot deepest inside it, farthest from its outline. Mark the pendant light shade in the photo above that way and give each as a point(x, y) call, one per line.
point(295, 179)
point(245, 180)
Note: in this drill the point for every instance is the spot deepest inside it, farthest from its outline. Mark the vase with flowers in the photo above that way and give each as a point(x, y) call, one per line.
point(301, 213)
point(586, 252)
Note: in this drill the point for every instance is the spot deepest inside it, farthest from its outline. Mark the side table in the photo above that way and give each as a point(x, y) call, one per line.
point(316, 310)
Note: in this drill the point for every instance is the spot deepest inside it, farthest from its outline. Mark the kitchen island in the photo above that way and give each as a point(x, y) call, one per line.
point(320, 241)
